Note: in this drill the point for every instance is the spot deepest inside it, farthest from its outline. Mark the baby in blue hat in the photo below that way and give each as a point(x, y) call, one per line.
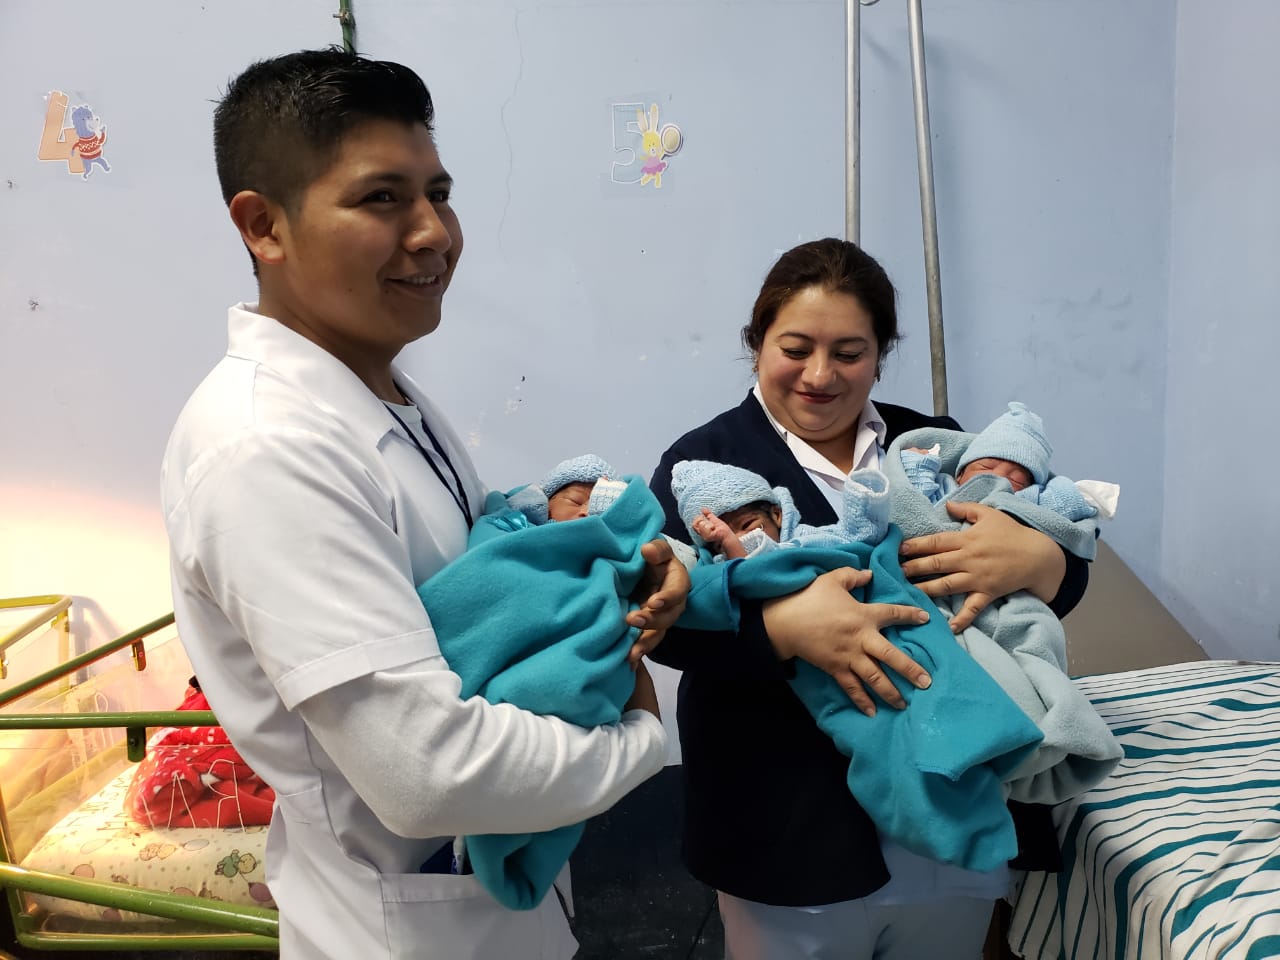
point(566, 493)
point(734, 513)
point(583, 486)
point(1014, 447)
point(723, 506)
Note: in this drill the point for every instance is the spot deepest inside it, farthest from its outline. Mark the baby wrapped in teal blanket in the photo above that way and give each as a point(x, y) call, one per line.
point(931, 776)
point(537, 620)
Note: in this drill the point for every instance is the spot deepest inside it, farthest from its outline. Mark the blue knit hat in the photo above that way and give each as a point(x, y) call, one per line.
point(721, 487)
point(1017, 436)
point(587, 468)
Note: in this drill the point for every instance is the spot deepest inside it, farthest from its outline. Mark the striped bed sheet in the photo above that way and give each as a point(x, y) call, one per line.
point(1176, 856)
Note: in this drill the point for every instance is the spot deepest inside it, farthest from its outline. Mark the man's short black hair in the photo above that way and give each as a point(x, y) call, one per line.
point(282, 120)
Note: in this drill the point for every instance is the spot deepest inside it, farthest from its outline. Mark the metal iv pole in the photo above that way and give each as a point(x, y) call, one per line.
point(928, 210)
point(924, 156)
point(852, 121)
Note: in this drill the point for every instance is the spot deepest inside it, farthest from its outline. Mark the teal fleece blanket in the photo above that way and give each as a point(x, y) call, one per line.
point(533, 616)
point(929, 776)
point(1018, 640)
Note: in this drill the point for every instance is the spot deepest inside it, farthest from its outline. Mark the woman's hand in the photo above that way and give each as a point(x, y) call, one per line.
point(825, 626)
point(994, 557)
point(661, 593)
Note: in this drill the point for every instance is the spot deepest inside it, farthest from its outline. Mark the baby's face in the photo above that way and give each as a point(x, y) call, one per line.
point(1018, 476)
point(569, 502)
point(753, 517)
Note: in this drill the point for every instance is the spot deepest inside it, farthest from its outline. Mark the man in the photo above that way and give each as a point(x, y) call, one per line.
point(309, 485)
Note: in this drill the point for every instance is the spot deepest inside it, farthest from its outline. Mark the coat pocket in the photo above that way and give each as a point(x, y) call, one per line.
point(451, 917)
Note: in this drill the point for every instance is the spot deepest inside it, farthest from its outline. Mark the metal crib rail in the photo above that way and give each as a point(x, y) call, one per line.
point(132, 639)
point(134, 723)
point(261, 923)
point(54, 613)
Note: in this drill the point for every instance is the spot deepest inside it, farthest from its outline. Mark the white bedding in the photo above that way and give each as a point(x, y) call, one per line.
point(99, 840)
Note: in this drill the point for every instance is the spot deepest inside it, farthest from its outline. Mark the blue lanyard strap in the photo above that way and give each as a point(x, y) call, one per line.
point(456, 490)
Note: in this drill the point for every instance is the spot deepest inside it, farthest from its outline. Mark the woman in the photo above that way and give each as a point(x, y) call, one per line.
point(769, 819)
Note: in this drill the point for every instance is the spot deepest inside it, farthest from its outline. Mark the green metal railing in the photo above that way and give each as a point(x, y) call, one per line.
point(132, 639)
point(135, 723)
point(258, 922)
point(345, 17)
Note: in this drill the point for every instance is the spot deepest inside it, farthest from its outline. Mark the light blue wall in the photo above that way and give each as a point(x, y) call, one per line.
point(1051, 129)
point(113, 290)
point(1220, 553)
point(1051, 132)
point(1055, 155)
point(124, 269)
point(592, 316)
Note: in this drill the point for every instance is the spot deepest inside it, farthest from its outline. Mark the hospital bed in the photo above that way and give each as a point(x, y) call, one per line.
point(77, 870)
point(1177, 854)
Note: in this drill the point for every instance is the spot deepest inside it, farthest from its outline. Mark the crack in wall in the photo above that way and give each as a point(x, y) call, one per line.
point(506, 133)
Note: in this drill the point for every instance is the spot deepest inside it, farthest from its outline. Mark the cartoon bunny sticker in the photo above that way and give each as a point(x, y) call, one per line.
point(642, 147)
point(651, 148)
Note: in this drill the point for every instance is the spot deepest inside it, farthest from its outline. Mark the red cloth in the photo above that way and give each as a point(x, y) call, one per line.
point(193, 777)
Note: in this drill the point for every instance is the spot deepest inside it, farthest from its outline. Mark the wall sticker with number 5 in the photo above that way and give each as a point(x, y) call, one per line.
point(643, 143)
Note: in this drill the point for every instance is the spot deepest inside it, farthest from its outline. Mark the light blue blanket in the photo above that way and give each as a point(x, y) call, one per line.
point(1018, 641)
point(929, 776)
point(916, 516)
point(536, 620)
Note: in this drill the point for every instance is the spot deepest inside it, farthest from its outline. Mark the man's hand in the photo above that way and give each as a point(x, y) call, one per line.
point(661, 593)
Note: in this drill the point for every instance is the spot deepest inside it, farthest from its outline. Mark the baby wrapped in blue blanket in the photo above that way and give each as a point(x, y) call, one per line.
point(1017, 640)
point(930, 776)
point(537, 620)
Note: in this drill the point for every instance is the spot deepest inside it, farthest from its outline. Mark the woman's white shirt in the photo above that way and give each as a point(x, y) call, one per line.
point(868, 450)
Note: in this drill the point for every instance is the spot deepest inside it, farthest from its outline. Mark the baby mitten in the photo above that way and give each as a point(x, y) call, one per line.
point(531, 501)
point(866, 505)
point(603, 495)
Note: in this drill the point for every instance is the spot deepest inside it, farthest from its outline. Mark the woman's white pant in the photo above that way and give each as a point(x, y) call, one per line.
point(952, 928)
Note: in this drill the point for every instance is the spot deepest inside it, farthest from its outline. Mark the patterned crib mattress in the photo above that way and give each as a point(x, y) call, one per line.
point(1176, 856)
point(98, 840)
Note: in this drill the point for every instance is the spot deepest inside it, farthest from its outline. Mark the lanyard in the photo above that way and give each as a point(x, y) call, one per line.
point(455, 489)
